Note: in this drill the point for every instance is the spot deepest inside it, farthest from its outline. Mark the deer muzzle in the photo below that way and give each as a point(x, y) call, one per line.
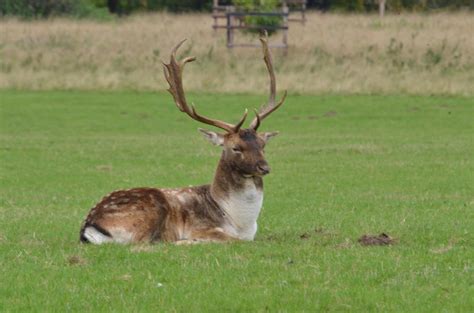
point(263, 168)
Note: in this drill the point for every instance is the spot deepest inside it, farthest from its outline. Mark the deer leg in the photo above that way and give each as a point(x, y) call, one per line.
point(207, 235)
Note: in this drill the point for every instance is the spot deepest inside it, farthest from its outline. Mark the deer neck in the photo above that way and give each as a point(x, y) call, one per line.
point(239, 197)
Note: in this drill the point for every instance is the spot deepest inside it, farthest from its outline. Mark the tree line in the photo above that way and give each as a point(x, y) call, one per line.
point(109, 8)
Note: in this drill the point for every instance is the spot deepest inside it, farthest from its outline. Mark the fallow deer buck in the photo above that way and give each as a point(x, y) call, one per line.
point(227, 209)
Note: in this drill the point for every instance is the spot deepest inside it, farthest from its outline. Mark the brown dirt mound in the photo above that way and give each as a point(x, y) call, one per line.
point(376, 240)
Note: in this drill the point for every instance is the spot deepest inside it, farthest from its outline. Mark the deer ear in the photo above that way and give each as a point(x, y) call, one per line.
point(215, 138)
point(268, 135)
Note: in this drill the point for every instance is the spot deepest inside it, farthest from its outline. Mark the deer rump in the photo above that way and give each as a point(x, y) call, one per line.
point(227, 209)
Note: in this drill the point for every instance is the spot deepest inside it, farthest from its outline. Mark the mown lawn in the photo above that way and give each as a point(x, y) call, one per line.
point(343, 166)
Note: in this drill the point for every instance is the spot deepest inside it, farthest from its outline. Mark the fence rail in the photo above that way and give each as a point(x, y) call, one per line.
point(235, 20)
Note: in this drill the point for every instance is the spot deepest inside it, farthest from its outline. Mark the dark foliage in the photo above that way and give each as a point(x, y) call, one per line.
point(395, 5)
point(44, 8)
point(99, 8)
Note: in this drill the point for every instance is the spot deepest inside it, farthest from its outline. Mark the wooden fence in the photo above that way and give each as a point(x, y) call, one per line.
point(236, 20)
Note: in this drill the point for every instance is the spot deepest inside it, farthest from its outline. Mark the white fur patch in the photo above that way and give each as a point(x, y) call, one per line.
point(242, 209)
point(118, 235)
point(96, 237)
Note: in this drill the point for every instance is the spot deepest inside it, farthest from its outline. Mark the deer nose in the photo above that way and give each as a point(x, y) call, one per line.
point(263, 167)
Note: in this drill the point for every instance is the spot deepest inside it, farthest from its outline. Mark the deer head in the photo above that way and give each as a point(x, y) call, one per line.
point(243, 149)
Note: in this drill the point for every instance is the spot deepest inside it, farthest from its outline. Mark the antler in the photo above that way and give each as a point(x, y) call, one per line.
point(270, 107)
point(173, 74)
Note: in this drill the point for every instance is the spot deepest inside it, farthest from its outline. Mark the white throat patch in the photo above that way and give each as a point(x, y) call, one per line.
point(242, 209)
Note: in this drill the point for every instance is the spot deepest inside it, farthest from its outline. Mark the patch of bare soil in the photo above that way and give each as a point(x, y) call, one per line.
point(76, 260)
point(317, 231)
point(376, 240)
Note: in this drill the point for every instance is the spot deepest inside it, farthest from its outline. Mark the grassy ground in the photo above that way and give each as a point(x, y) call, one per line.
point(342, 53)
point(343, 166)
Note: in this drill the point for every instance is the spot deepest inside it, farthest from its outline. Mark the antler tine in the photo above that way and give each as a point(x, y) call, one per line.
point(241, 122)
point(173, 74)
point(270, 107)
point(257, 120)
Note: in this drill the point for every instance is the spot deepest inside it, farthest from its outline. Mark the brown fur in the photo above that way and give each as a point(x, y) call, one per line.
point(157, 215)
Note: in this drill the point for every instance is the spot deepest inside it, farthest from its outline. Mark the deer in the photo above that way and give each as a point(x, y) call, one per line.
point(225, 210)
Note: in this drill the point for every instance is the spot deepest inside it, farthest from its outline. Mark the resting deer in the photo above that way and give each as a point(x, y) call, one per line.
point(227, 209)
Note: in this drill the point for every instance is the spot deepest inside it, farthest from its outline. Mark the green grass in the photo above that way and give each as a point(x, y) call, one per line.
point(395, 164)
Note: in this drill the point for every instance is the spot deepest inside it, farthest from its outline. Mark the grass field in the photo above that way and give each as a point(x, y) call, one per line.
point(343, 166)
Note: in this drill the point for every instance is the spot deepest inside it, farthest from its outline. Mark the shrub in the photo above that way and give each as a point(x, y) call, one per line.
point(262, 21)
point(44, 9)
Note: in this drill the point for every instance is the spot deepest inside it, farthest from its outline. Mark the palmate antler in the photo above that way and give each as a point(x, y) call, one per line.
point(270, 107)
point(173, 74)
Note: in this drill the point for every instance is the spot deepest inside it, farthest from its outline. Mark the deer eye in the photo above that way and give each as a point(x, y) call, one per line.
point(236, 150)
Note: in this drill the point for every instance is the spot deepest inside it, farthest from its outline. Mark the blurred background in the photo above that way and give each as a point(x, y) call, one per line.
point(101, 8)
point(342, 46)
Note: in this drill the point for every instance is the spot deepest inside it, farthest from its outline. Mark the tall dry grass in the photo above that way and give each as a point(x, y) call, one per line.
point(414, 54)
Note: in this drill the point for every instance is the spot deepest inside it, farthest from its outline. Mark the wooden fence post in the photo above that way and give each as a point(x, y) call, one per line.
point(382, 8)
point(230, 29)
point(303, 14)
